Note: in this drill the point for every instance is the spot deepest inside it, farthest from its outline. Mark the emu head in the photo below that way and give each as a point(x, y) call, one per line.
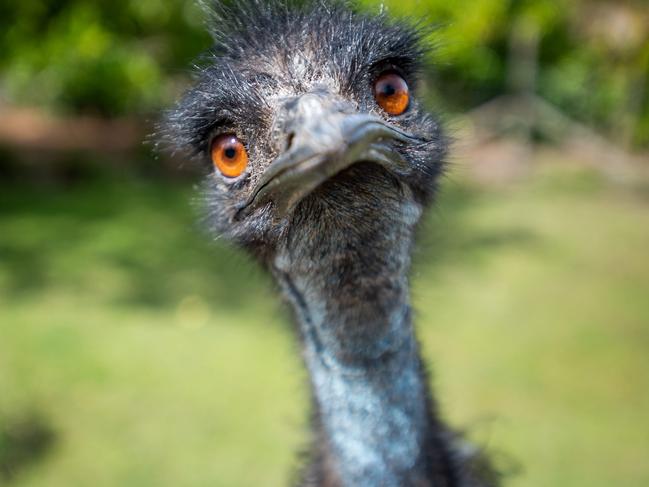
point(307, 118)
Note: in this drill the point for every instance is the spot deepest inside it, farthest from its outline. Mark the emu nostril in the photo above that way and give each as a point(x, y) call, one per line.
point(289, 141)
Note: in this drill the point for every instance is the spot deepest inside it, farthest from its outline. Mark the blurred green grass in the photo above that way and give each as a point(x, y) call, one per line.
point(142, 354)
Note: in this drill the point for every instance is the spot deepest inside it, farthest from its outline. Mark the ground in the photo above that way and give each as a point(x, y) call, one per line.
point(134, 352)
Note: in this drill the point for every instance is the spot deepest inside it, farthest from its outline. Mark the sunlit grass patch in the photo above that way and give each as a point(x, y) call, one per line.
point(159, 358)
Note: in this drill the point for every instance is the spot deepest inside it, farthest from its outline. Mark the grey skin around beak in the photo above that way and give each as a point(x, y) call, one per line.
point(323, 135)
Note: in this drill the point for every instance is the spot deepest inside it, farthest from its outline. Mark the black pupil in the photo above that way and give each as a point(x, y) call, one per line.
point(389, 90)
point(230, 152)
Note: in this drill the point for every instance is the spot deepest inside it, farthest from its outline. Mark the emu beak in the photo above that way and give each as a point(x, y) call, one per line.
point(324, 139)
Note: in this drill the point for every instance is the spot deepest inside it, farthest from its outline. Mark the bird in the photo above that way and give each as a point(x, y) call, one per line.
point(320, 159)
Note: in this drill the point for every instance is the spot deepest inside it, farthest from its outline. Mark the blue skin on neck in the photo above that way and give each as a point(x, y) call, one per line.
point(375, 418)
point(352, 307)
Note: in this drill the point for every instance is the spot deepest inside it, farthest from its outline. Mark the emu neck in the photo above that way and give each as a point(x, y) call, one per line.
point(347, 281)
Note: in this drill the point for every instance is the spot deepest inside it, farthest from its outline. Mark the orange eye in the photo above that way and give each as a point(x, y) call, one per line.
point(392, 93)
point(229, 155)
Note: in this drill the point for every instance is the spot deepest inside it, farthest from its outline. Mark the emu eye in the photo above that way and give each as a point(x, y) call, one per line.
point(392, 93)
point(229, 155)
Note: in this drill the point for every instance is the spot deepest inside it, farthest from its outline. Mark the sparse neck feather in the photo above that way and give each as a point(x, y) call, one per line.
point(348, 285)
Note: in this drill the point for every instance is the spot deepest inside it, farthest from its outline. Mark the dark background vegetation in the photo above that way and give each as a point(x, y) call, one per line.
point(136, 352)
point(127, 57)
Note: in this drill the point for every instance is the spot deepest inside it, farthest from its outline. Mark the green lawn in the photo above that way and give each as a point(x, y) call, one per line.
point(133, 352)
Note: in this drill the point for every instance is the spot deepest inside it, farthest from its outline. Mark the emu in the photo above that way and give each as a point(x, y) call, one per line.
point(320, 162)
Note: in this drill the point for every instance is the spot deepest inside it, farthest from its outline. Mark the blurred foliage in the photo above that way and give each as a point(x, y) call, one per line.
point(124, 56)
point(593, 55)
point(108, 57)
